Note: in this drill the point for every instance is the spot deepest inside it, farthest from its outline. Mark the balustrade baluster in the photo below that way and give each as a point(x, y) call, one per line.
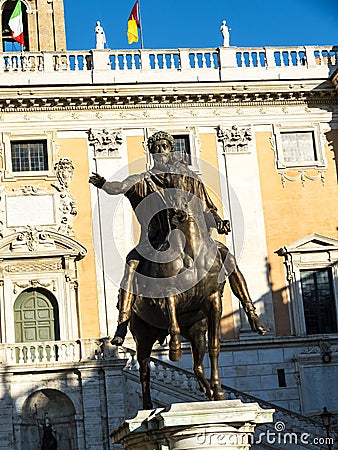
point(9, 355)
point(31, 64)
point(62, 350)
point(133, 62)
point(69, 351)
point(41, 353)
point(298, 59)
point(120, 62)
point(30, 354)
point(21, 355)
point(53, 350)
point(160, 373)
point(192, 62)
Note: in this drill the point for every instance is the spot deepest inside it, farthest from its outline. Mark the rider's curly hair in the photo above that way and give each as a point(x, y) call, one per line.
point(158, 136)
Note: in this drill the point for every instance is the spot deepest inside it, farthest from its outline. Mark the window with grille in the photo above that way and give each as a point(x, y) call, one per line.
point(318, 301)
point(29, 156)
point(182, 146)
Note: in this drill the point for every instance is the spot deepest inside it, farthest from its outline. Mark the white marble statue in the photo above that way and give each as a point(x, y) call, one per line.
point(100, 36)
point(225, 33)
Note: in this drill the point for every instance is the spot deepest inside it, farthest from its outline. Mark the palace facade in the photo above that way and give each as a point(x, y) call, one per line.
point(259, 126)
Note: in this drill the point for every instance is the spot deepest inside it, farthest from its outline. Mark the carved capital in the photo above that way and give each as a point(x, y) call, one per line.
point(105, 142)
point(234, 139)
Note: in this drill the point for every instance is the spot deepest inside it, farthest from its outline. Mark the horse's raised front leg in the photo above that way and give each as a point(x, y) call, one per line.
point(214, 319)
point(175, 351)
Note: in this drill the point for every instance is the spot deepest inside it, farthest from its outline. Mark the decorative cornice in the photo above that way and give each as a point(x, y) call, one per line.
point(170, 100)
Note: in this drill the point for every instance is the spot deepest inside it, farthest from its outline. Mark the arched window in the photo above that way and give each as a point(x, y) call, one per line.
point(36, 316)
point(8, 44)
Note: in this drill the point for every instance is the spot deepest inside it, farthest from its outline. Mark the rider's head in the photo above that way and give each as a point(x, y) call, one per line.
point(162, 146)
point(161, 142)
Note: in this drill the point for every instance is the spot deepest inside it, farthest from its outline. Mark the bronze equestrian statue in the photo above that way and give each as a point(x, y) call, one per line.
point(174, 278)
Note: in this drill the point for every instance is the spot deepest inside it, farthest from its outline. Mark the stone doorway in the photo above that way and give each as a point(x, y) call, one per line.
point(58, 410)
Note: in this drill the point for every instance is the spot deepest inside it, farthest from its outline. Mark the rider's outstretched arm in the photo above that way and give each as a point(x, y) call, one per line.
point(115, 187)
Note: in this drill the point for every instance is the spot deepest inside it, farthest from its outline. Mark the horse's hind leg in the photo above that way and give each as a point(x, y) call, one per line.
point(175, 351)
point(214, 319)
point(143, 353)
point(196, 335)
point(145, 340)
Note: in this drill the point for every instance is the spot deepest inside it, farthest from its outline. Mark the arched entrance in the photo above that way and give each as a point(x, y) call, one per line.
point(36, 316)
point(55, 406)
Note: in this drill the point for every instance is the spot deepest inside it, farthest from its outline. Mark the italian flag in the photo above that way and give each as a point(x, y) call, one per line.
point(133, 24)
point(15, 24)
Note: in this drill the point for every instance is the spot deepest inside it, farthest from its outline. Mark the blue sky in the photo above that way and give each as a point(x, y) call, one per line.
point(196, 23)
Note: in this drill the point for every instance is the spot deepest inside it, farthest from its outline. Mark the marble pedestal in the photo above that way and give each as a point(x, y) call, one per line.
point(219, 425)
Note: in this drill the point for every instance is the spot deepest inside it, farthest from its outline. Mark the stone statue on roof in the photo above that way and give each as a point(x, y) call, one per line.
point(225, 30)
point(100, 36)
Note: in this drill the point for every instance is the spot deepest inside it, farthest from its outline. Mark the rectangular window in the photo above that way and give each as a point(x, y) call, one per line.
point(298, 147)
point(29, 156)
point(318, 301)
point(281, 377)
point(182, 145)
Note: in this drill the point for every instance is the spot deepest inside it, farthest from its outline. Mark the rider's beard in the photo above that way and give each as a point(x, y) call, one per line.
point(167, 162)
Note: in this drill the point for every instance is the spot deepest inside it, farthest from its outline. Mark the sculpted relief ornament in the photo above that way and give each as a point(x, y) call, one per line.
point(234, 139)
point(105, 142)
point(31, 239)
point(64, 170)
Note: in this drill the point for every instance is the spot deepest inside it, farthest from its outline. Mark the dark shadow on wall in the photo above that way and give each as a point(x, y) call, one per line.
point(332, 140)
point(7, 409)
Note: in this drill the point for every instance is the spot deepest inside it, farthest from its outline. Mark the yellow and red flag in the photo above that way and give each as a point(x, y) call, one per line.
point(133, 24)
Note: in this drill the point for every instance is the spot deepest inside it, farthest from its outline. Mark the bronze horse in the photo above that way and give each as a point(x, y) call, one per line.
point(187, 289)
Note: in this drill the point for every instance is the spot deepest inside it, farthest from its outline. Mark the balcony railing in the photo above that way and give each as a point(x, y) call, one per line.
point(46, 352)
point(127, 66)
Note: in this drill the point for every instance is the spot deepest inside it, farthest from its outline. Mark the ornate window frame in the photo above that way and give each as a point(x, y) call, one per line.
point(319, 143)
point(35, 258)
point(314, 251)
point(9, 137)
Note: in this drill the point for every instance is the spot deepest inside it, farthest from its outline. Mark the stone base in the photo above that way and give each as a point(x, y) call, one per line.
point(186, 426)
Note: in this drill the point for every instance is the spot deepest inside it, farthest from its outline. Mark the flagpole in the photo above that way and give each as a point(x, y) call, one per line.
point(141, 34)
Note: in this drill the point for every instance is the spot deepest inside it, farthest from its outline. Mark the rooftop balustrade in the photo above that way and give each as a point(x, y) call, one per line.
point(160, 66)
